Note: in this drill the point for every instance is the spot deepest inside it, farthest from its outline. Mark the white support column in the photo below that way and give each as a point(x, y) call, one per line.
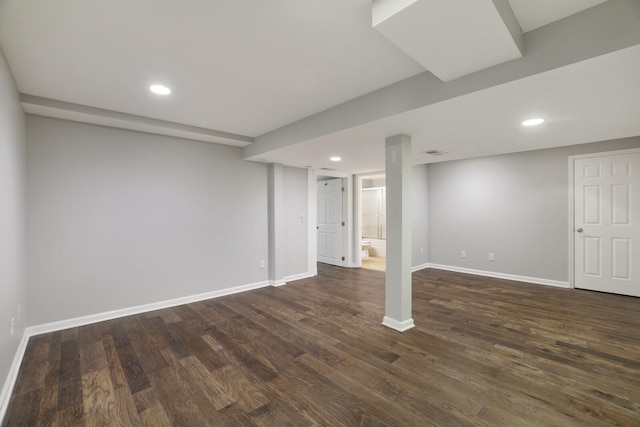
point(276, 225)
point(398, 277)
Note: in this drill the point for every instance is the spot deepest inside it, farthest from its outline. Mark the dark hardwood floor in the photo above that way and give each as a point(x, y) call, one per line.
point(484, 352)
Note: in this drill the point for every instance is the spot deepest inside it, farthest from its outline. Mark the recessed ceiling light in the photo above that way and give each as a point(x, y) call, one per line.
point(533, 122)
point(160, 89)
point(335, 159)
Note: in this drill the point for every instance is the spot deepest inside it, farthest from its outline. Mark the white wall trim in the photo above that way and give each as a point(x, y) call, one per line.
point(571, 225)
point(536, 280)
point(12, 376)
point(277, 283)
point(300, 276)
point(109, 315)
point(420, 267)
point(357, 220)
point(348, 243)
point(399, 326)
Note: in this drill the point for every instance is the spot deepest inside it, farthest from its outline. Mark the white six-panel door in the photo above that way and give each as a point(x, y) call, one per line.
point(330, 226)
point(607, 229)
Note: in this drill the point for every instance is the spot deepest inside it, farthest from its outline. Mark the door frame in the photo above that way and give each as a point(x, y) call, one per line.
point(347, 213)
point(357, 215)
point(572, 224)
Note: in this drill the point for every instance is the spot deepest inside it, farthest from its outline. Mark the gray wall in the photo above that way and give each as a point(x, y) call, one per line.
point(117, 218)
point(295, 189)
point(12, 260)
point(420, 216)
point(514, 205)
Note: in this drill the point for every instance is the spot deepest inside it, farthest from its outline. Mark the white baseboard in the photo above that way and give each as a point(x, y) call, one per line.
point(399, 326)
point(12, 376)
point(277, 283)
point(108, 315)
point(420, 267)
point(497, 275)
point(287, 279)
point(300, 276)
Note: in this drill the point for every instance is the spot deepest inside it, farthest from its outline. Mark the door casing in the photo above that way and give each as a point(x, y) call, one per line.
point(572, 223)
point(347, 214)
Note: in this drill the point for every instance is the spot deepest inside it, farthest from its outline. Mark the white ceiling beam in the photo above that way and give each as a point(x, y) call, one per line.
point(98, 116)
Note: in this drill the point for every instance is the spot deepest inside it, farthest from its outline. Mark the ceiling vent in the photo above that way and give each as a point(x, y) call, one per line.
point(435, 152)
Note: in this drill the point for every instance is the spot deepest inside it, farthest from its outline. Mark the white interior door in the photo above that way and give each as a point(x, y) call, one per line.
point(607, 229)
point(330, 222)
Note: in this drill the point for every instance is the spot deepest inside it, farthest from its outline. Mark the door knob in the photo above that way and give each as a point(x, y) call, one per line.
point(579, 230)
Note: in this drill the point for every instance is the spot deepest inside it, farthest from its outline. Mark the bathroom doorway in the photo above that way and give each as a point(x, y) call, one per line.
point(373, 222)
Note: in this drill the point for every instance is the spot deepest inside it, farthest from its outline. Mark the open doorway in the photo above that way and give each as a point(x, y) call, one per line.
point(373, 222)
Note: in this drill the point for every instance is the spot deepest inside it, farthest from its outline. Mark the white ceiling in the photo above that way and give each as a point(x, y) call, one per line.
point(239, 66)
point(248, 67)
point(533, 14)
point(593, 100)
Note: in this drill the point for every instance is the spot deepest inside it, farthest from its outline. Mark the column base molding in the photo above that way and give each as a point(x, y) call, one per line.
point(399, 326)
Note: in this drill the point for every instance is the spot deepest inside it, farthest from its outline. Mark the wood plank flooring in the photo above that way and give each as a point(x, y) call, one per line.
point(485, 352)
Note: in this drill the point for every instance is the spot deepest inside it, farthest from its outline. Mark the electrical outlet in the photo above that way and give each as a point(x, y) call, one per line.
point(463, 254)
point(261, 263)
point(421, 251)
point(11, 323)
point(491, 257)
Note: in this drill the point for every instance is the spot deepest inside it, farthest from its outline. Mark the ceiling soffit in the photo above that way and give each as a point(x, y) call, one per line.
point(451, 39)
